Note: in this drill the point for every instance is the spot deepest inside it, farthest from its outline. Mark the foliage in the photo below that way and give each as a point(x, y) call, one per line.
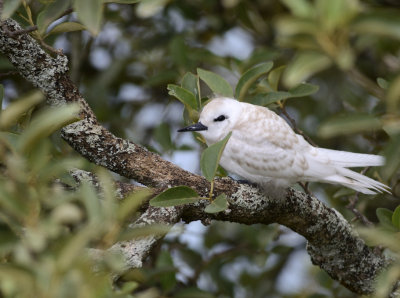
point(127, 57)
point(175, 196)
point(219, 204)
point(387, 234)
point(50, 227)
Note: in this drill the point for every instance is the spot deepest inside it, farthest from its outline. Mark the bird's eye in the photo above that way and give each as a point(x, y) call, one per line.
point(220, 118)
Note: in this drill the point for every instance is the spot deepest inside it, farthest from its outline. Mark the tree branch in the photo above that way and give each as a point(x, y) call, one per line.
point(332, 243)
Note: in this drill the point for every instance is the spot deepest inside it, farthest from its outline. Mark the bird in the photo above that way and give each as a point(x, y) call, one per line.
point(265, 150)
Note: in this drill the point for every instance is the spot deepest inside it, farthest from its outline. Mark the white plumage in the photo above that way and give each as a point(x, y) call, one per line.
point(265, 150)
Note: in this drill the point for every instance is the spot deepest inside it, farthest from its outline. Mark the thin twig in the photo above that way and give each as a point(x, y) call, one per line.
point(14, 34)
point(66, 12)
point(50, 48)
point(367, 83)
point(8, 73)
point(305, 188)
point(353, 200)
point(358, 215)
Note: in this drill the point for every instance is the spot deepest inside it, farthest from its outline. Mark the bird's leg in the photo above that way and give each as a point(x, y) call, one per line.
point(305, 188)
point(358, 215)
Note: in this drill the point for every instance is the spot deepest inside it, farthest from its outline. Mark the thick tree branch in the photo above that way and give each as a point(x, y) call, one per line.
point(332, 243)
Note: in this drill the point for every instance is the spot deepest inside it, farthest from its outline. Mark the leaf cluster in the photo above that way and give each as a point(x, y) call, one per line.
point(51, 227)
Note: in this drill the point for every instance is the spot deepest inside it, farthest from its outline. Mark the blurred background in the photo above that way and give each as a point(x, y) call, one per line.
point(350, 49)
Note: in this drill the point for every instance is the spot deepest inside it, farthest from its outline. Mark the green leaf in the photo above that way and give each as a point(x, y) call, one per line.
point(127, 287)
point(66, 27)
point(393, 95)
point(11, 205)
point(149, 8)
point(90, 13)
point(288, 27)
point(178, 52)
point(92, 203)
point(385, 216)
point(216, 83)
point(116, 262)
point(131, 203)
point(382, 83)
point(11, 115)
point(249, 77)
point(260, 55)
point(185, 96)
point(274, 77)
point(335, 14)
point(190, 292)
point(300, 8)
point(349, 124)
point(160, 78)
point(303, 89)
point(168, 276)
point(396, 217)
point(47, 123)
point(219, 204)
point(381, 236)
point(175, 196)
point(191, 82)
point(50, 13)
point(386, 24)
point(66, 214)
point(386, 279)
point(391, 153)
point(264, 99)
point(10, 139)
point(391, 125)
point(75, 247)
point(162, 136)
point(211, 156)
point(303, 66)
point(9, 7)
point(144, 231)
point(50, 170)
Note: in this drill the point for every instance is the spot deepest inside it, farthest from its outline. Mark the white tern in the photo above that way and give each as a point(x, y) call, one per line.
point(265, 150)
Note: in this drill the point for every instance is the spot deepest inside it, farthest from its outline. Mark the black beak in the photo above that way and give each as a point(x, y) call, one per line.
point(194, 127)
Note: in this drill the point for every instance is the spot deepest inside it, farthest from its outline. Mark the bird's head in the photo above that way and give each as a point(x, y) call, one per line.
point(217, 119)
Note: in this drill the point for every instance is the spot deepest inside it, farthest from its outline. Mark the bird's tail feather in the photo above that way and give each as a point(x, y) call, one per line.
point(357, 182)
point(350, 159)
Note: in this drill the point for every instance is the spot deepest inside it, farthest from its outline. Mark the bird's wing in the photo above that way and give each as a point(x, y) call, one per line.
point(265, 127)
point(263, 144)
